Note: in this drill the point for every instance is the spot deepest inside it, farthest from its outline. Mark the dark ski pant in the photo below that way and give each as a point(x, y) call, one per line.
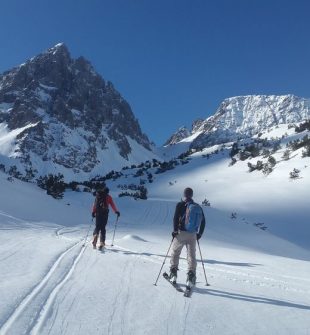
point(101, 222)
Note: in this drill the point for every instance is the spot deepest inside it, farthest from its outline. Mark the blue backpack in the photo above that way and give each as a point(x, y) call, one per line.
point(193, 217)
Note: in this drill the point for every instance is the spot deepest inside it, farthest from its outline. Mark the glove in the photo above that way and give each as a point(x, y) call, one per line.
point(93, 214)
point(174, 234)
point(198, 236)
point(118, 214)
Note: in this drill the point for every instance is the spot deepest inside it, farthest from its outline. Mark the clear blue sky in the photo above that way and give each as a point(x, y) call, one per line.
point(173, 60)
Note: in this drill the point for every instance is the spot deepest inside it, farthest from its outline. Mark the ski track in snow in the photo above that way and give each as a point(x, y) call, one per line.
point(121, 299)
point(36, 314)
point(27, 311)
point(246, 277)
point(44, 314)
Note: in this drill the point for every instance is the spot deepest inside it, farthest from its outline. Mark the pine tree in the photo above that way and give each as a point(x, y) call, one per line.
point(295, 174)
point(272, 161)
point(286, 155)
point(306, 151)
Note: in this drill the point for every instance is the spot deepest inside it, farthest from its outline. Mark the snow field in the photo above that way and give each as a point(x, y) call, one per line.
point(58, 287)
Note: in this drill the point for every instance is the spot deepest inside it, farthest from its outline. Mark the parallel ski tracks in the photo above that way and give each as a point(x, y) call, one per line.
point(30, 314)
point(249, 277)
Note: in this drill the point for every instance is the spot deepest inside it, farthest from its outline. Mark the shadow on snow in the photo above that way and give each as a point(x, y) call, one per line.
point(250, 298)
point(206, 261)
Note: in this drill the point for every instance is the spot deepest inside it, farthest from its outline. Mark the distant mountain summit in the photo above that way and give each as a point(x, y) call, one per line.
point(178, 136)
point(57, 114)
point(245, 116)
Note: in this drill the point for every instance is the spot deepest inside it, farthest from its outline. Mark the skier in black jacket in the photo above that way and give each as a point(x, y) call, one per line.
point(185, 234)
point(100, 211)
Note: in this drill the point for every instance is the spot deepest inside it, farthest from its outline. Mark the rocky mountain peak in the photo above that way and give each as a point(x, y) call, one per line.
point(245, 116)
point(196, 125)
point(58, 50)
point(76, 115)
point(178, 136)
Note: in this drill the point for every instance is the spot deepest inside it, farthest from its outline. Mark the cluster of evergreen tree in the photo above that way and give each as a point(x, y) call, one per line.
point(138, 192)
point(256, 148)
point(295, 174)
point(303, 126)
point(166, 166)
point(145, 165)
point(53, 184)
point(15, 173)
point(299, 143)
point(266, 168)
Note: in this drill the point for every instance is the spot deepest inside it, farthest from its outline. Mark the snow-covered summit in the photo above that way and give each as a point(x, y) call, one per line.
point(245, 116)
point(81, 123)
point(178, 136)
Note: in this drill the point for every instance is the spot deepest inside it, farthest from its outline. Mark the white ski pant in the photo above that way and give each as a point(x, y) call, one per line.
point(187, 239)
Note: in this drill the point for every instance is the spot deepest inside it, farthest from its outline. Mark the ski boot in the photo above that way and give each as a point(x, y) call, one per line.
point(102, 245)
point(94, 243)
point(191, 279)
point(173, 275)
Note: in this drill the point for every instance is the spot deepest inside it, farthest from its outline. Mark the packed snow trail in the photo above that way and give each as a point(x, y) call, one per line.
point(26, 311)
point(260, 282)
point(120, 299)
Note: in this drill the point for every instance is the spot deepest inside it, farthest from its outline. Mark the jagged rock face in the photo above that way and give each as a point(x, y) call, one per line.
point(178, 136)
point(75, 114)
point(182, 133)
point(245, 116)
point(196, 125)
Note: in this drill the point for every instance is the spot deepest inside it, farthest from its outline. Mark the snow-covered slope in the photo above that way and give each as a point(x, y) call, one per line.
point(259, 281)
point(253, 178)
point(246, 116)
point(58, 115)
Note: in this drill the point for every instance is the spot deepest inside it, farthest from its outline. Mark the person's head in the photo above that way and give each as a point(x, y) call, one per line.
point(188, 193)
point(100, 193)
point(103, 192)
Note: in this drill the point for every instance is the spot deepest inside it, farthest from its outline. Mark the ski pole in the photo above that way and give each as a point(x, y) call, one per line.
point(203, 266)
point(115, 224)
point(164, 262)
point(83, 245)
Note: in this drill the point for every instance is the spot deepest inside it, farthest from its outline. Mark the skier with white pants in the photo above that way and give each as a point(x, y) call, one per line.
point(188, 226)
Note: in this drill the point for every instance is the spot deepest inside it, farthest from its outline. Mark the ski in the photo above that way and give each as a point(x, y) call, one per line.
point(188, 291)
point(175, 285)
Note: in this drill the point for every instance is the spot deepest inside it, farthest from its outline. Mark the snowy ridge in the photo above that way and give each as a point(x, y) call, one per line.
point(245, 116)
point(181, 134)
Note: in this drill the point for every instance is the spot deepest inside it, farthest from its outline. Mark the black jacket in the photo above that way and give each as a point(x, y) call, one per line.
point(179, 214)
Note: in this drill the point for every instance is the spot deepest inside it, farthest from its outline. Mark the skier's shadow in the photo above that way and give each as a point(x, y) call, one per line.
point(127, 252)
point(249, 298)
point(213, 261)
point(206, 261)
